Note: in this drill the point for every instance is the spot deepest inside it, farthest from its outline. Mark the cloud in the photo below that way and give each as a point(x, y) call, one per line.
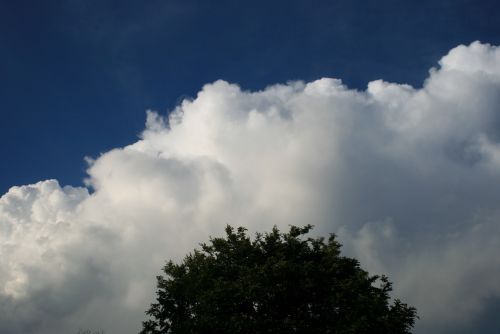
point(408, 178)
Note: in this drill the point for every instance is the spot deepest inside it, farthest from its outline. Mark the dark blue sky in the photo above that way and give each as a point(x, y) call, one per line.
point(76, 76)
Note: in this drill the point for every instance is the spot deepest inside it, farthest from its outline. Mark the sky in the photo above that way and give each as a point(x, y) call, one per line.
point(133, 130)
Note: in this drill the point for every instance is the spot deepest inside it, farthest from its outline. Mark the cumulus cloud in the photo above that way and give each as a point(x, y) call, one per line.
point(407, 177)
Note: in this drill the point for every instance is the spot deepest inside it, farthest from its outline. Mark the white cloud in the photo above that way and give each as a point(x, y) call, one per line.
point(407, 177)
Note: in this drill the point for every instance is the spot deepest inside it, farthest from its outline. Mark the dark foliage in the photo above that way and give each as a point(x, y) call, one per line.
point(276, 283)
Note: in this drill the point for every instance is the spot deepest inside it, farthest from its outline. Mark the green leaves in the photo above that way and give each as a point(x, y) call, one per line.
point(275, 283)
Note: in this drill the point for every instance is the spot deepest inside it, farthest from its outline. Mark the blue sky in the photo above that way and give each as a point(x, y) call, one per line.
point(77, 76)
point(375, 120)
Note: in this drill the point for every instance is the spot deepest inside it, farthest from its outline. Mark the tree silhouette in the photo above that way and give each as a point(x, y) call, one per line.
point(276, 283)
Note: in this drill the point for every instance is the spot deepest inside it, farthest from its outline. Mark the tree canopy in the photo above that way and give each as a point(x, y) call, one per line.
point(275, 283)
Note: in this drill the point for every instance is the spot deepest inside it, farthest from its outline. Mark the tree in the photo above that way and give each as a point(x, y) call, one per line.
point(276, 283)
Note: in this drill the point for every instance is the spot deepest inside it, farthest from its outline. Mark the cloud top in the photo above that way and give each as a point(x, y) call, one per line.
point(406, 177)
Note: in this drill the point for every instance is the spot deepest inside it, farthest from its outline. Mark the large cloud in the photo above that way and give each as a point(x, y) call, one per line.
point(407, 177)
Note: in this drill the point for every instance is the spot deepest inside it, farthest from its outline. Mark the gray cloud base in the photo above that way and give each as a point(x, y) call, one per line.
point(408, 178)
